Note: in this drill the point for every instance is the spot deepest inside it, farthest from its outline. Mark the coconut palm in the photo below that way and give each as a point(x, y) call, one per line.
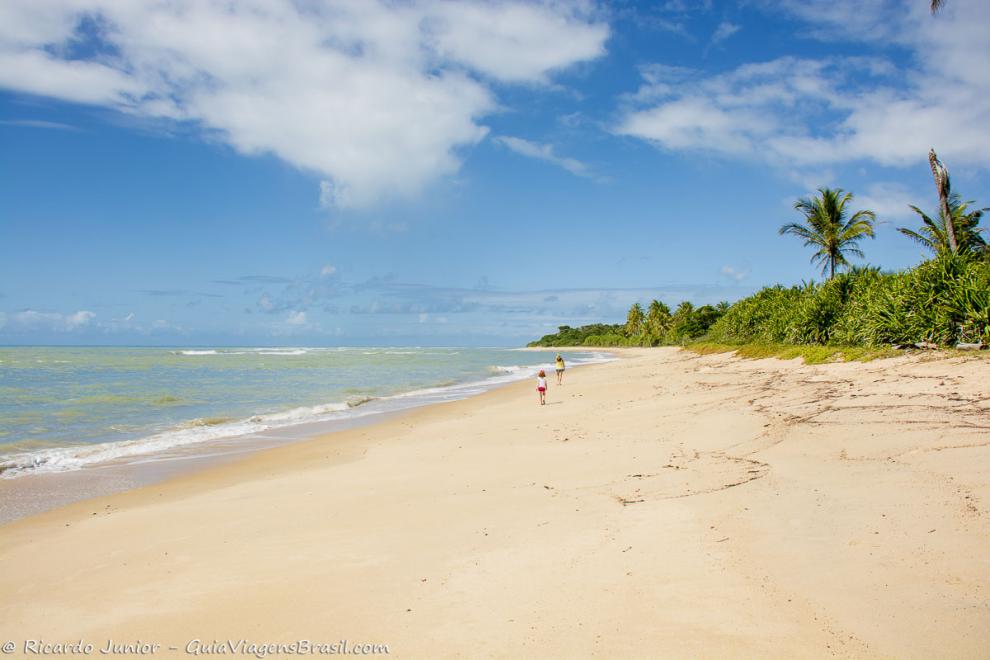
point(634, 320)
point(656, 323)
point(934, 234)
point(657, 319)
point(944, 188)
point(825, 227)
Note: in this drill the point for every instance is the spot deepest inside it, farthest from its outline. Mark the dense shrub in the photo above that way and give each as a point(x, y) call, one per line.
point(944, 300)
point(688, 323)
point(611, 339)
point(655, 328)
point(764, 317)
point(568, 336)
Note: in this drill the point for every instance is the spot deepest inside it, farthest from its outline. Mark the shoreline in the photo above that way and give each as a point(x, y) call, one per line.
point(828, 510)
point(29, 494)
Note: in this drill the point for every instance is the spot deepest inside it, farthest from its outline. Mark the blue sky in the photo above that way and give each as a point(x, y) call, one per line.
point(353, 172)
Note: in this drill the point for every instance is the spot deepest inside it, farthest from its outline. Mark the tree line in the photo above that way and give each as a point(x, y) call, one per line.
point(945, 300)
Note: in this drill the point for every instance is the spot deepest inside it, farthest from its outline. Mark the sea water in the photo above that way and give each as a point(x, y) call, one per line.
point(64, 409)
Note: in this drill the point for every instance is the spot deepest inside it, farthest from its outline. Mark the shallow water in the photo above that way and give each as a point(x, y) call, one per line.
point(64, 409)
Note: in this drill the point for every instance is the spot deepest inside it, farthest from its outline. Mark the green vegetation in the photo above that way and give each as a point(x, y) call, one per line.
point(943, 301)
point(658, 327)
point(934, 236)
point(857, 314)
point(588, 335)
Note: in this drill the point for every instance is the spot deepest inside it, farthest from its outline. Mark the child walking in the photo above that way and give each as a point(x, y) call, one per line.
point(541, 386)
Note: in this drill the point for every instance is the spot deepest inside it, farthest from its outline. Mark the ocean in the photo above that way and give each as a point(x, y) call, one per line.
point(68, 408)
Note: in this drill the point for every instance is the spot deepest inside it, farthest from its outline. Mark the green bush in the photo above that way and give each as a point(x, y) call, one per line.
point(824, 310)
point(568, 336)
point(764, 317)
point(944, 301)
point(611, 339)
point(652, 329)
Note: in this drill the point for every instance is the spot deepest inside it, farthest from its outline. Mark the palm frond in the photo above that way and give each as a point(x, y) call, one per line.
point(854, 251)
point(964, 225)
point(918, 238)
point(795, 229)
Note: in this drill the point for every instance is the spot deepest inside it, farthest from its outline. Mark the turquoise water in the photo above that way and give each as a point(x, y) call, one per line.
point(65, 408)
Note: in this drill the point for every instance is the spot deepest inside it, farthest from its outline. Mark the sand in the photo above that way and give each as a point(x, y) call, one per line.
point(666, 505)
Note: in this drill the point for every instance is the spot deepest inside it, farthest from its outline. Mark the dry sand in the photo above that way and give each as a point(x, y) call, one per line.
point(667, 505)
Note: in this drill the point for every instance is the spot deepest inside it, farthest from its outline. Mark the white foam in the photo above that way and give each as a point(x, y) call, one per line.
point(302, 414)
point(290, 350)
point(62, 459)
point(498, 369)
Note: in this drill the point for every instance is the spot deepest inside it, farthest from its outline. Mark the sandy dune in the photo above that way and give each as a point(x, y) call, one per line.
point(666, 505)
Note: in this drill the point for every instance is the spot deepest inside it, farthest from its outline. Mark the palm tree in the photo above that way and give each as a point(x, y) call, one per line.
point(825, 227)
point(934, 233)
point(944, 188)
point(657, 320)
point(634, 320)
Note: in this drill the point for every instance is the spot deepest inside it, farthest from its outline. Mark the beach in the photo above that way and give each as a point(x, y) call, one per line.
point(663, 505)
point(81, 422)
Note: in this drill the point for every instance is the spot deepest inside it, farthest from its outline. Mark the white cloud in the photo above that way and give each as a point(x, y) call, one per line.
point(890, 201)
point(328, 271)
point(328, 195)
point(724, 30)
point(376, 97)
point(834, 20)
point(806, 114)
point(296, 318)
point(735, 274)
point(31, 319)
point(38, 123)
point(161, 327)
point(543, 152)
point(33, 325)
point(516, 42)
point(78, 319)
